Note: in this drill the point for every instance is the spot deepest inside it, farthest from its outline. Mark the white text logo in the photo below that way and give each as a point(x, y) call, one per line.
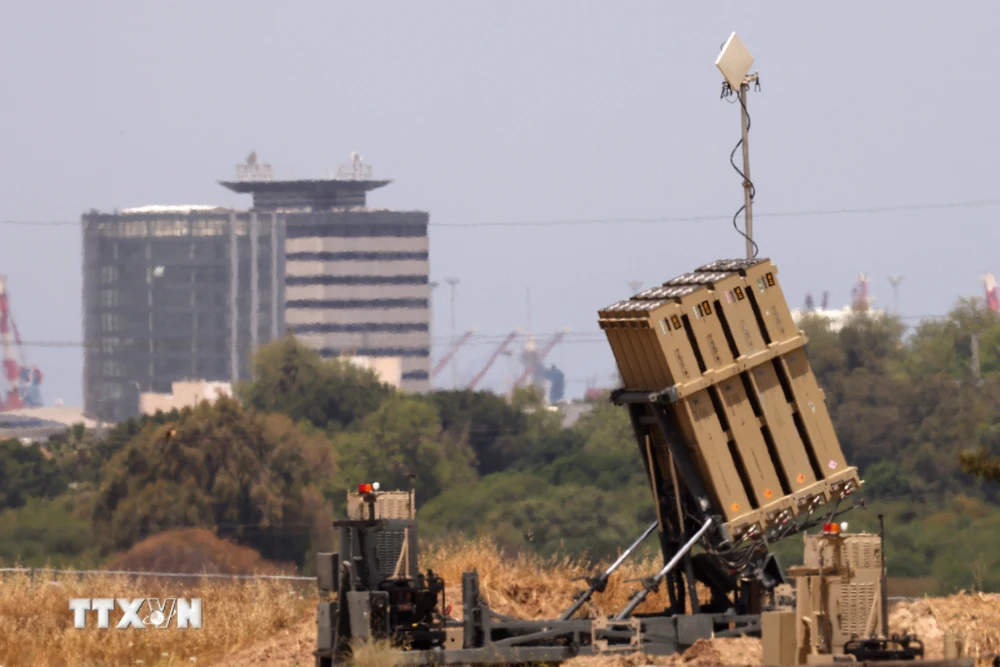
point(139, 613)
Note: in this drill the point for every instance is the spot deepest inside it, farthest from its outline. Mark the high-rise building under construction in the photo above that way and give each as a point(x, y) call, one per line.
point(173, 293)
point(187, 292)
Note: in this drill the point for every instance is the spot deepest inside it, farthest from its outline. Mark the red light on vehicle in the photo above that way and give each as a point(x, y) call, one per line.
point(447, 610)
point(364, 488)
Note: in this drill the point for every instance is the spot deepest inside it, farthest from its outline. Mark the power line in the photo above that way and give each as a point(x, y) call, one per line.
point(979, 203)
point(39, 223)
point(569, 338)
point(618, 220)
point(491, 339)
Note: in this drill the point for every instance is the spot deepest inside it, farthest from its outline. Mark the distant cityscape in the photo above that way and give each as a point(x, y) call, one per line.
point(177, 297)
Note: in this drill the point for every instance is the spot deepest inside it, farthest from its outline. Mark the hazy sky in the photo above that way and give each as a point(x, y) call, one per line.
point(515, 112)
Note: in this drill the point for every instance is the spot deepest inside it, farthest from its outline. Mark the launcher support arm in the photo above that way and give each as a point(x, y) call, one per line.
point(597, 584)
point(654, 583)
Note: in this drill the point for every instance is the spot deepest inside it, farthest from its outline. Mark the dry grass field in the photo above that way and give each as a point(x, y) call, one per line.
point(266, 623)
point(36, 625)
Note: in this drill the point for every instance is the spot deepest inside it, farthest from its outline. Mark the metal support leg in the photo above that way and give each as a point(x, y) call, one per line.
point(692, 589)
point(689, 476)
point(673, 591)
point(640, 596)
point(598, 584)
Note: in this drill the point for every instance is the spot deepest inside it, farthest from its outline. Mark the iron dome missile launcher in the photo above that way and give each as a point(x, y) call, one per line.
point(739, 450)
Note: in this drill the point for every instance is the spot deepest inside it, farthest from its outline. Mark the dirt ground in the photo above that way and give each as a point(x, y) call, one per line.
point(970, 617)
point(735, 652)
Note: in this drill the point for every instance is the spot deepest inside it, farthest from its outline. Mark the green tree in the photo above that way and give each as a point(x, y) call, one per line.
point(585, 491)
point(545, 439)
point(872, 343)
point(494, 429)
point(254, 478)
point(47, 532)
point(83, 452)
point(884, 479)
point(981, 464)
point(26, 472)
point(404, 436)
point(856, 369)
point(945, 346)
point(294, 380)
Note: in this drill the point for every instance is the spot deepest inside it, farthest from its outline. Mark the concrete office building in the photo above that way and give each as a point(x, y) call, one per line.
point(173, 293)
point(356, 278)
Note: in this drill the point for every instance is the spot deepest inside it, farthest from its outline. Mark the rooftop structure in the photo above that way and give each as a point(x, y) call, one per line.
point(39, 424)
point(305, 195)
point(348, 189)
point(836, 319)
point(185, 394)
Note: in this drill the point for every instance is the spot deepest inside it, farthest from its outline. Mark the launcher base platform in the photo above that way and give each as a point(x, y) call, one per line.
point(484, 637)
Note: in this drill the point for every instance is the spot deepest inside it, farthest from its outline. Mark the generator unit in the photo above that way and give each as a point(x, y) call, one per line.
point(840, 611)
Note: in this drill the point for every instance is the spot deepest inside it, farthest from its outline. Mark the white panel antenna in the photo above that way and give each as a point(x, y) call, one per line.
point(734, 62)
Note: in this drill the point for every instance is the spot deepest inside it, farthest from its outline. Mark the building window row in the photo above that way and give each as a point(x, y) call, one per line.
point(111, 322)
point(168, 228)
point(111, 391)
point(355, 304)
point(357, 256)
point(111, 368)
point(361, 327)
point(339, 230)
point(357, 280)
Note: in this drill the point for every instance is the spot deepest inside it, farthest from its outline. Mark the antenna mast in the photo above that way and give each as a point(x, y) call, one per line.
point(734, 62)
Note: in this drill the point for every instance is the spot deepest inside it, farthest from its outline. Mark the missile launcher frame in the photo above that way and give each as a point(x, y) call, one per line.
point(730, 421)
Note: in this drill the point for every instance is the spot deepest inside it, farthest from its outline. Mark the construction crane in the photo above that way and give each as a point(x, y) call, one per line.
point(992, 293)
point(533, 359)
point(492, 360)
point(22, 380)
point(861, 301)
point(452, 351)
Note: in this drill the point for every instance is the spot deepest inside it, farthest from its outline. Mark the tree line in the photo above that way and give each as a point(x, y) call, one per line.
point(916, 409)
